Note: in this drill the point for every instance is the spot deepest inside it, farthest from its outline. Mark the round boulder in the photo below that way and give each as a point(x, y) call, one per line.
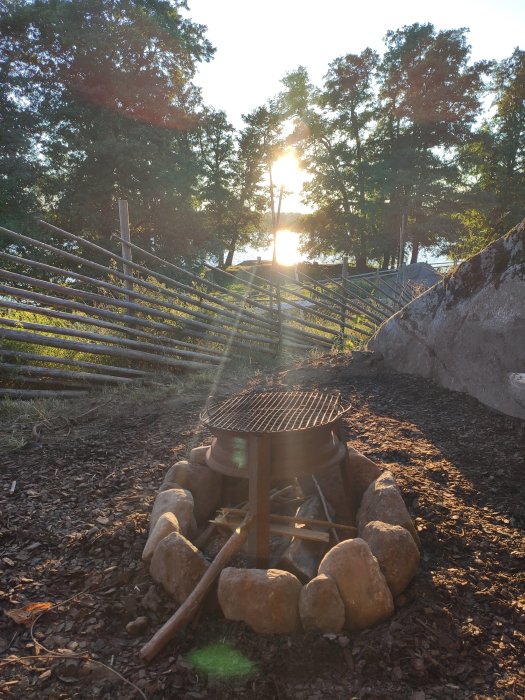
point(266, 600)
point(362, 586)
point(178, 566)
point(320, 605)
point(165, 525)
point(383, 501)
point(177, 501)
point(395, 551)
point(203, 482)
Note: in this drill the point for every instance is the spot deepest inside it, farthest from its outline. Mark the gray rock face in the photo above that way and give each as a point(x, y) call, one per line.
point(177, 501)
point(383, 501)
point(177, 565)
point(395, 551)
point(165, 525)
point(365, 594)
point(320, 605)
point(266, 600)
point(204, 484)
point(467, 333)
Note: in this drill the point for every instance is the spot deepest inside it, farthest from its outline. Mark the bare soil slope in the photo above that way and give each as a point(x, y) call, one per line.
point(74, 529)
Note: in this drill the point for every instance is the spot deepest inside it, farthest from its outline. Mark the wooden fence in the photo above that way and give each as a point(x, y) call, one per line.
point(99, 317)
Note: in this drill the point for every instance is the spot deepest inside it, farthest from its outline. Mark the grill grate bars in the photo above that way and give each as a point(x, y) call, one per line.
point(273, 411)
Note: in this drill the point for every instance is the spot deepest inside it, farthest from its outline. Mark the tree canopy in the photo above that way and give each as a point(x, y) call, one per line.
point(417, 145)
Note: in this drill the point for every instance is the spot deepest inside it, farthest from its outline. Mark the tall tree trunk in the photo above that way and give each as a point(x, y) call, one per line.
point(360, 263)
point(415, 251)
point(231, 250)
point(386, 260)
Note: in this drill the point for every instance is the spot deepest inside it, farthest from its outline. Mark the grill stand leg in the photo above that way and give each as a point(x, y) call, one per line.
point(346, 476)
point(259, 499)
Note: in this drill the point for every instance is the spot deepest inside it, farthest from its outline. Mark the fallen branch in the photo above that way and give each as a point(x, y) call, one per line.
point(192, 603)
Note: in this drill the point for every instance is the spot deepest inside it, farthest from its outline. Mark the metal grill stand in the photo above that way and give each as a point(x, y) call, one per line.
point(269, 436)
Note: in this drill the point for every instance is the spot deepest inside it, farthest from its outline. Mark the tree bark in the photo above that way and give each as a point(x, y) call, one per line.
point(415, 252)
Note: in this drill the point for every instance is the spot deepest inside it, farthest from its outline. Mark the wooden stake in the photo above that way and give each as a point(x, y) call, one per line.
point(190, 606)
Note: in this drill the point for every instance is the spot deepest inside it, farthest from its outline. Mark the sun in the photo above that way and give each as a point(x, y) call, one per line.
point(287, 247)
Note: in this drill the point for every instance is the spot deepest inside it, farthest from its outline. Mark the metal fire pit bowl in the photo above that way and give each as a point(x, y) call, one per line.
point(302, 431)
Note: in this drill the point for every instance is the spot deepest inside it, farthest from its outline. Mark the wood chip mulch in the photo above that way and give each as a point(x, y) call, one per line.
point(73, 529)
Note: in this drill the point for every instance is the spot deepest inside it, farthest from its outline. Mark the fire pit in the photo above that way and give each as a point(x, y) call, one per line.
point(270, 436)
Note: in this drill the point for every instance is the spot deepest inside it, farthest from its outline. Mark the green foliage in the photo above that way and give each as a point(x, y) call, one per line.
point(108, 87)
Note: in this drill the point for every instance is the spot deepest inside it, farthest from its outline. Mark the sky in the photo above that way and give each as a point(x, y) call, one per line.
point(257, 43)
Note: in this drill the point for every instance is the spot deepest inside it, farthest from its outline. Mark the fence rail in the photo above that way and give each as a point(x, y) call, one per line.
point(107, 319)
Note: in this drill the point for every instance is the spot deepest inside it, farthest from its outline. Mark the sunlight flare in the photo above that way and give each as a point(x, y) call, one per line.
point(286, 171)
point(287, 247)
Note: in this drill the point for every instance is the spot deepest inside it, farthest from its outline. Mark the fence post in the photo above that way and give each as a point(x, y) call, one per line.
point(126, 248)
point(344, 275)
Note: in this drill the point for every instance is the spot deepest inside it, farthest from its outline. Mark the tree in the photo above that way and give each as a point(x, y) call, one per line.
point(231, 189)
point(493, 163)
point(429, 98)
point(109, 84)
point(19, 168)
point(333, 125)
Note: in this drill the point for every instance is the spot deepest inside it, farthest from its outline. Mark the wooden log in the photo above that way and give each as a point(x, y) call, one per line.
point(188, 324)
point(190, 606)
point(103, 313)
point(126, 250)
point(55, 359)
point(95, 349)
point(160, 341)
point(88, 377)
point(40, 393)
point(124, 342)
point(130, 280)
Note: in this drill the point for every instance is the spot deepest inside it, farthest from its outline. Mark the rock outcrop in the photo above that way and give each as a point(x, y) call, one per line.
point(467, 332)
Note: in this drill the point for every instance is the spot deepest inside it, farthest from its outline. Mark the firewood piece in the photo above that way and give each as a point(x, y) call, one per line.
point(276, 529)
point(350, 529)
point(190, 606)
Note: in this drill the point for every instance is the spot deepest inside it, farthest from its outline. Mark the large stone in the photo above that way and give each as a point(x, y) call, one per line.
point(198, 455)
point(466, 332)
point(302, 557)
point(362, 587)
point(177, 501)
point(266, 600)
point(395, 551)
point(320, 605)
point(177, 565)
point(203, 482)
point(361, 473)
point(383, 501)
point(165, 525)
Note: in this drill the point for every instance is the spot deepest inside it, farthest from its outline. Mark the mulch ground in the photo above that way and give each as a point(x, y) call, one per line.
point(72, 533)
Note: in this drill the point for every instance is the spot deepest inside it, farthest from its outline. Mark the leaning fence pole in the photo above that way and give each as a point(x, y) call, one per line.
point(126, 248)
point(344, 275)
